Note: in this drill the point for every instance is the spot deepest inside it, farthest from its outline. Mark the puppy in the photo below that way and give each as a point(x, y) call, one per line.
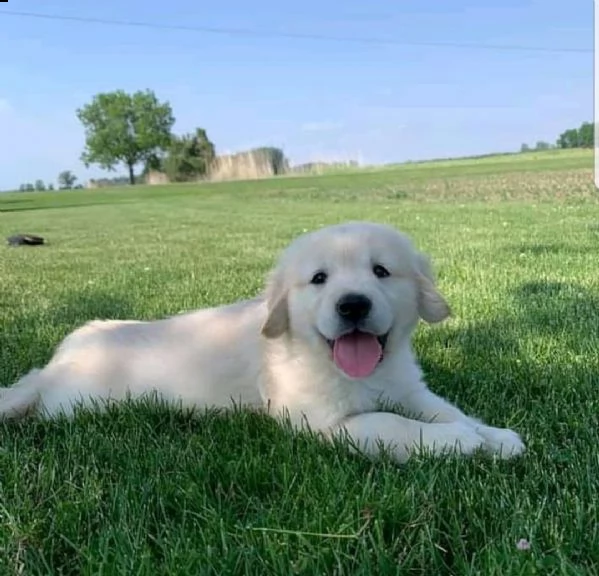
point(326, 344)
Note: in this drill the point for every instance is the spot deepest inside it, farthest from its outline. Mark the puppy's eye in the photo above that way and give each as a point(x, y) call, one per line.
point(319, 278)
point(380, 271)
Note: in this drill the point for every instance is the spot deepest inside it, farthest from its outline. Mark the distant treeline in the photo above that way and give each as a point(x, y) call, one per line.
point(581, 137)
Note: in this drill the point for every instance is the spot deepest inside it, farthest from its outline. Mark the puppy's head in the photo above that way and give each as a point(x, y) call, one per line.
point(350, 292)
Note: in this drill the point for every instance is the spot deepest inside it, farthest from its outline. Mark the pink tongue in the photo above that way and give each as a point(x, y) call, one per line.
point(357, 354)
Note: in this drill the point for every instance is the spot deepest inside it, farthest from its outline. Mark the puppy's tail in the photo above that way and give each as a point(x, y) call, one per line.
point(22, 398)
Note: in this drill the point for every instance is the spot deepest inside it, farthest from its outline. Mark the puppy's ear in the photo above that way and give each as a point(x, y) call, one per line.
point(432, 307)
point(277, 321)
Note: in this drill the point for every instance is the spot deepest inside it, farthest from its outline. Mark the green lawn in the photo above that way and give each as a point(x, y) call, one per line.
point(149, 491)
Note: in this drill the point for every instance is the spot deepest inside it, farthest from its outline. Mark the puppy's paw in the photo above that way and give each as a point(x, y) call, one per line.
point(503, 442)
point(457, 437)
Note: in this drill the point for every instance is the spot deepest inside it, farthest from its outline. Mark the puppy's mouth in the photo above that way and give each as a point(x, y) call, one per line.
point(357, 354)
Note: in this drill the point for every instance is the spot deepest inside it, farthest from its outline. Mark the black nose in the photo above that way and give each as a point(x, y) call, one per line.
point(354, 307)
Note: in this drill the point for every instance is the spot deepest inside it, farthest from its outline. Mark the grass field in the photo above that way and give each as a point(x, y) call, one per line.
point(150, 491)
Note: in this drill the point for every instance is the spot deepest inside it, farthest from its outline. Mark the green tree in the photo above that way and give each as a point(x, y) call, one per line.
point(125, 128)
point(188, 157)
point(50, 186)
point(66, 180)
point(39, 185)
point(581, 137)
point(586, 135)
point(568, 139)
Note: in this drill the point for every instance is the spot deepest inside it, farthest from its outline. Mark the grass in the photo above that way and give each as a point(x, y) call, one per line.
point(150, 491)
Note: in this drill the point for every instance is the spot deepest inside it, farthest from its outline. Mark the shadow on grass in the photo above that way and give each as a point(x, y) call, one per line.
point(559, 310)
point(59, 205)
point(524, 368)
point(531, 368)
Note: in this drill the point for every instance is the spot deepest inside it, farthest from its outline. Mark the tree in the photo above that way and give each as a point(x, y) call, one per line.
point(188, 157)
point(50, 186)
point(568, 139)
point(66, 180)
point(582, 137)
point(525, 148)
point(275, 157)
point(586, 135)
point(125, 128)
point(39, 185)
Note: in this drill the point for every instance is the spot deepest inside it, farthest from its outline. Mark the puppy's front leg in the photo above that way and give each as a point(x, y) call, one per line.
point(403, 436)
point(422, 403)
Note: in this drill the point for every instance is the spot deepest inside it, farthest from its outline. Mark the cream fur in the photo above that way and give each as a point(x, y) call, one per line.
point(271, 352)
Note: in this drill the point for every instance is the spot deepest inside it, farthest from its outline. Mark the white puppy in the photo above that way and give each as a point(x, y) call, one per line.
point(326, 344)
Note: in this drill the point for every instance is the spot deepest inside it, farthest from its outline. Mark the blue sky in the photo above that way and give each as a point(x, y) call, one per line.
point(317, 99)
